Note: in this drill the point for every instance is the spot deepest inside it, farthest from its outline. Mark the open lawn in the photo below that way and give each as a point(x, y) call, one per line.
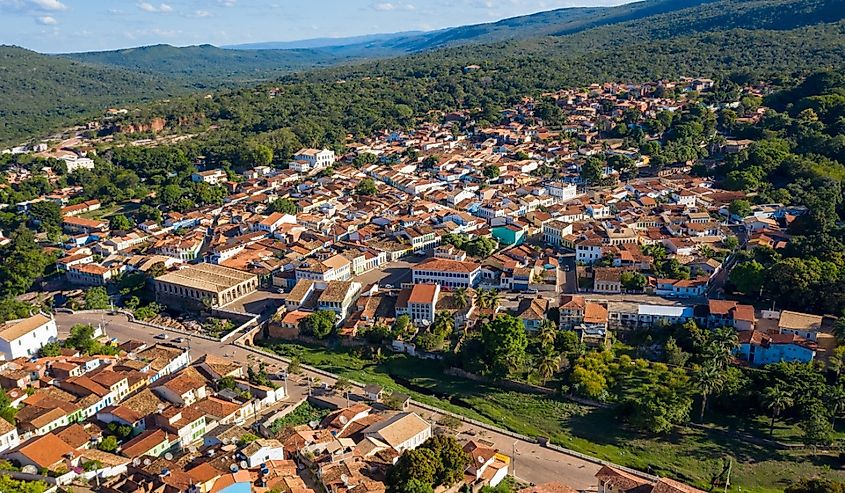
point(109, 211)
point(691, 454)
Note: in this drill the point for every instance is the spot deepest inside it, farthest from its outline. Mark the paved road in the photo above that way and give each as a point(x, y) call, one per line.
point(533, 463)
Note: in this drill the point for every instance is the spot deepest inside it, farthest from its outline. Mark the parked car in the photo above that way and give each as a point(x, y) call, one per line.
point(161, 336)
point(180, 340)
point(282, 375)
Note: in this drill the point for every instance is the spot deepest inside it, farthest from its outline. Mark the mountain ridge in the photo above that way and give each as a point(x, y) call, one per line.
point(707, 36)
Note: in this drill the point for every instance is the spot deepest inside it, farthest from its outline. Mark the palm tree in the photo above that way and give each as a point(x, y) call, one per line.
point(839, 328)
point(549, 365)
point(483, 298)
point(706, 251)
point(836, 363)
point(835, 399)
point(708, 381)
point(493, 299)
point(721, 346)
point(776, 399)
point(461, 298)
point(547, 333)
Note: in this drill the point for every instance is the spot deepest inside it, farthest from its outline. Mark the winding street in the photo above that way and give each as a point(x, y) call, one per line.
point(533, 463)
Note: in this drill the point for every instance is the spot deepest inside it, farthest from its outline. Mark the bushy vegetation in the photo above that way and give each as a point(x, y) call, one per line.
point(303, 414)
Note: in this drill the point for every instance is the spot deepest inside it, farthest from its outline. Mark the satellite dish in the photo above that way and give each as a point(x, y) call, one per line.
point(225, 441)
point(233, 467)
point(136, 462)
point(481, 460)
point(313, 424)
point(192, 449)
point(243, 464)
point(168, 456)
point(29, 469)
point(147, 462)
point(344, 478)
point(344, 420)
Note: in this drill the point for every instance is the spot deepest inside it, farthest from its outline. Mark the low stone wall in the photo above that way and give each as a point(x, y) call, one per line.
point(506, 384)
point(471, 421)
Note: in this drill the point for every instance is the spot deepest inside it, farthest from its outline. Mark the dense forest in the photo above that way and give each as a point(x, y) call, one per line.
point(797, 159)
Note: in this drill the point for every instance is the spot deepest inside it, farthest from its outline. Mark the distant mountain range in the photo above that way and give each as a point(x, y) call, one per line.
point(211, 66)
point(307, 44)
point(39, 92)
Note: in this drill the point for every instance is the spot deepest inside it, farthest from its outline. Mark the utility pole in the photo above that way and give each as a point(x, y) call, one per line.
point(513, 461)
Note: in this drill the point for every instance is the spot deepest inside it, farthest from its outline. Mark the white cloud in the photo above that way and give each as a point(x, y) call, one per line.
point(201, 13)
point(48, 4)
point(161, 8)
point(46, 20)
point(388, 6)
point(227, 3)
point(32, 5)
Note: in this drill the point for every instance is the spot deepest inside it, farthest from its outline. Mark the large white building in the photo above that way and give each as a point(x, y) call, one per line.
point(23, 338)
point(419, 303)
point(562, 192)
point(402, 431)
point(555, 231)
point(447, 273)
point(312, 159)
point(335, 268)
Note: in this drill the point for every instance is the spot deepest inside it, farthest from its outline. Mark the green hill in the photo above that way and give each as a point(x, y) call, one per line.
point(523, 55)
point(210, 65)
point(39, 92)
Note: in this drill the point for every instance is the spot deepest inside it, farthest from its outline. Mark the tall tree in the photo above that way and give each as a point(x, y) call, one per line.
point(547, 333)
point(22, 261)
point(708, 380)
point(549, 365)
point(504, 343)
point(776, 399)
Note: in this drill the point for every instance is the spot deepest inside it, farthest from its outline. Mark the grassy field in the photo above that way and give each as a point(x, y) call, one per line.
point(110, 211)
point(691, 455)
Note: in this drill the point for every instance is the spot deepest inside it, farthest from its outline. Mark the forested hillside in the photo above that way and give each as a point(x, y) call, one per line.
point(208, 65)
point(320, 107)
point(773, 39)
point(39, 92)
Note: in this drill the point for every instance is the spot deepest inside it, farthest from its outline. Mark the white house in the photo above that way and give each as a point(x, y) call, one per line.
point(75, 162)
point(420, 304)
point(272, 222)
point(336, 268)
point(684, 288)
point(212, 176)
point(402, 431)
point(555, 231)
point(562, 192)
point(9, 438)
point(23, 338)
point(339, 297)
point(588, 251)
point(263, 450)
point(312, 159)
point(447, 273)
point(598, 211)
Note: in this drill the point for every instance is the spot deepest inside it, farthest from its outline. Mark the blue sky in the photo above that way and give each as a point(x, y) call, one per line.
point(85, 25)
